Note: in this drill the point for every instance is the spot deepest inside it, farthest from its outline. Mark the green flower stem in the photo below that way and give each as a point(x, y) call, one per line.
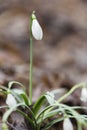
point(79, 125)
point(31, 62)
point(71, 91)
point(4, 126)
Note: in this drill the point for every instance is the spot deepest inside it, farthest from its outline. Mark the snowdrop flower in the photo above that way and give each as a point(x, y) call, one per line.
point(84, 95)
point(50, 97)
point(36, 28)
point(67, 125)
point(11, 101)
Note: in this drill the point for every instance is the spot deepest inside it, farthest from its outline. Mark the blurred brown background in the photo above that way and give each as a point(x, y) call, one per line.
point(60, 59)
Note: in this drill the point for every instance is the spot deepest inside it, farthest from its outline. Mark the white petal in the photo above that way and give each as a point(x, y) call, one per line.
point(84, 95)
point(18, 91)
point(36, 30)
point(67, 125)
point(11, 101)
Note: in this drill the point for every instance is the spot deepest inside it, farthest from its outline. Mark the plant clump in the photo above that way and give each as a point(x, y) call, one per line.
point(46, 106)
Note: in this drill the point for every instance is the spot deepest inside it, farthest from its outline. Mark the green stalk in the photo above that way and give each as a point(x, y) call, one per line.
point(79, 125)
point(31, 62)
point(71, 91)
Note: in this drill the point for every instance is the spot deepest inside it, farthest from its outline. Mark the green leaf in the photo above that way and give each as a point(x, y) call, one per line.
point(49, 97)
point(49, 125)
point(28, 118)
point(25, 98)
point(38, 104)
point(7, 113)
point(45, 110)
point(3, 88)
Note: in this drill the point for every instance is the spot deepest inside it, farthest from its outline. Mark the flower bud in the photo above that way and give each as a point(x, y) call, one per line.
point(36, 28)
point(67, 125)
point(11, 101)
point(84, 95)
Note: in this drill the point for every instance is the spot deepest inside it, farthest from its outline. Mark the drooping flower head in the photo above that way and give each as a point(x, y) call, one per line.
point(11, 101)
point(67, 125)
point(36, 28)
point(84, 94)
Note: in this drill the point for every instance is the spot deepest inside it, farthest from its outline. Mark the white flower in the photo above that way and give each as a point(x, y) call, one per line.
point(11, 101)
point(50, 97)
point(84, 95)
point(36, 28)
point(67, 125)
